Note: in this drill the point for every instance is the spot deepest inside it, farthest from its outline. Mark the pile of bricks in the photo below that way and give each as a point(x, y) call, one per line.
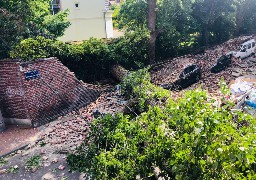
point(69, 132)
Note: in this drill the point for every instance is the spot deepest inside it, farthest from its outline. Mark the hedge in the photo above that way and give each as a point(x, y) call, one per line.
point(90, 60)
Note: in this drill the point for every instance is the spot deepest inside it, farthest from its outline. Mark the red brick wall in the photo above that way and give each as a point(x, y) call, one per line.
point(44, 98)
point(12, 98)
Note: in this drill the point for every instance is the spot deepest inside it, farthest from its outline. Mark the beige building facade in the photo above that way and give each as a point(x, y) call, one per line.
point(88, 18)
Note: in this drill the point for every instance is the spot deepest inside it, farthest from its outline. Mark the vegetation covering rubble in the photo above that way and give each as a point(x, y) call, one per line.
point(190, 138)
point(175, 135)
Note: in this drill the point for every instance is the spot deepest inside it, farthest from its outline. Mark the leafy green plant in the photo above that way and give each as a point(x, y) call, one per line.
point(56, 25)
point(21, 19)
point(131, 50)
point(64, 178)
point(42, 143)
point(189, 138)
point(137, 86)
point(224, 88)
point(116, 9)
point(13, 169)
point(33, 162)
point(30, 49)
point(3, 162)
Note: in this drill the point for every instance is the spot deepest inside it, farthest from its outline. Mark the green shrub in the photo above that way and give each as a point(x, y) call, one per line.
point(131, 50)
point(137, 86)
point(30, 48)
point(95, 60)
point(3, 162)
point(33, 162)
point(90, 60)
point(187, 139)
point(116, 9)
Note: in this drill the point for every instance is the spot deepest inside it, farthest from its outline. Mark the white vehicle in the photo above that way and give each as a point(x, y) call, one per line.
point(246, 49)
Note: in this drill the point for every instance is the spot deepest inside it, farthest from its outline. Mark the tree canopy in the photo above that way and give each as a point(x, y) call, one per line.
point(193, 23)
point(21, 19)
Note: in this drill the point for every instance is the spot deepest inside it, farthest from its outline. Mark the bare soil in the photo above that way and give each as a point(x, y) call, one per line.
point(16, 136)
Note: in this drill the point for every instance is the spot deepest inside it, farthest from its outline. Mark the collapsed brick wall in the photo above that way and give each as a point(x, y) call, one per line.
point(50, 92)
point(12, 100)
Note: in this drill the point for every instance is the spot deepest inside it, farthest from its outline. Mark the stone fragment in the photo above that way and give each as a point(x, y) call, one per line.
point(61, 167)
point(34, 169)
point(3, 171)
point(48, 176)
point(44, 158)
point(236, 74)
point(55, 160)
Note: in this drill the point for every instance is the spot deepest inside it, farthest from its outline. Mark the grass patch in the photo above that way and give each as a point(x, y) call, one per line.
point(3, 162)
point(42, 143)
point(13, 169)
point(33, 162)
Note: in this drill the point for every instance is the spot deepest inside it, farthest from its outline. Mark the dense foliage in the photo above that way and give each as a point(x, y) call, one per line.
point(246, 17)
point(20, 19)
point(207, 13)
point(212, 21)
point(131, 50)
point(90, 60)
point(182, 27)
point(137, 87)
point(190, 138)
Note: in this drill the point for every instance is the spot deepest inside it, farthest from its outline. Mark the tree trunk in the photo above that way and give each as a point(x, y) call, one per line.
point(205, 35)
point(152, 30)
point(240, 16)
point(118, 72)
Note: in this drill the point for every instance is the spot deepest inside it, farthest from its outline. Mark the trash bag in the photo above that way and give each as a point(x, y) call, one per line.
point(251, 99)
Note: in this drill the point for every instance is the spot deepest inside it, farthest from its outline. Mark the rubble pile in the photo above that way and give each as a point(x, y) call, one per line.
point(69, 132)
point(66, 135)
point(169, 72)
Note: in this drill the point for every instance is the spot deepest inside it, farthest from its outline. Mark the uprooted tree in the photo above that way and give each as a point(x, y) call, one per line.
point(190, 138)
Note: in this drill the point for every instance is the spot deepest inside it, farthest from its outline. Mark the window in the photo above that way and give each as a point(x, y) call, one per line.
point(249, 46)
point(253, 44)
point(76, 5)
point(189, 69)
point(55, 6)
point(221, 59)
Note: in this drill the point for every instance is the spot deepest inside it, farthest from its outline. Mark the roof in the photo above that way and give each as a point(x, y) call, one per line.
point(249, 41)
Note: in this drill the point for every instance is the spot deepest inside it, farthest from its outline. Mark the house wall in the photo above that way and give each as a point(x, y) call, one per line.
point(87, 20)
point(39, 100)
point(12, 99)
